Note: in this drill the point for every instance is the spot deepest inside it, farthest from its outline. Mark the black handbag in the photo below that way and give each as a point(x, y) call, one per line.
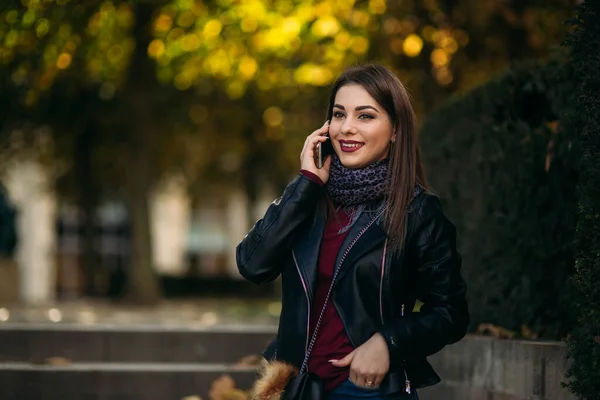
point(304, 386)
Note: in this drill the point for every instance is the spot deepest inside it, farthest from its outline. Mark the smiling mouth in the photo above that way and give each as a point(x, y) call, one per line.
point(350, 147)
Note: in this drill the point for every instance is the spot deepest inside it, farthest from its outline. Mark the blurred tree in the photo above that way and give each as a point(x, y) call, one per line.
point(126, 86)
point(276, 60)
point(85, 70)
point(444, 47)
point(260, 61)
point(65, 62)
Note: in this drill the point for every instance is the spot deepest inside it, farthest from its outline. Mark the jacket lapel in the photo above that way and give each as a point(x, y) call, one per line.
point(357, 242)
point(307, 252)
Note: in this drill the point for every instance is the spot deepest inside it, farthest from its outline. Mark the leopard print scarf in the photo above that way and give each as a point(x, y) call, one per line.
point(351, 187)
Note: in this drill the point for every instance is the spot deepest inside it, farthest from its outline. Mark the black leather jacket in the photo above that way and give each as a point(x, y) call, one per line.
point(374, 291)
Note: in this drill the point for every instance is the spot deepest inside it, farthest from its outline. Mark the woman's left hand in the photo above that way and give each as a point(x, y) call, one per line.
point(369, 363)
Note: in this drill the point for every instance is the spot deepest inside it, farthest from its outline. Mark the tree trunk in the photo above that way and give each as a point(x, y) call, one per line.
point(251, 171)
point(87, 196)
point(143, 285)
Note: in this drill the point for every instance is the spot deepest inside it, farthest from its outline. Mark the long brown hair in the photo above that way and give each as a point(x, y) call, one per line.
point(405, 167)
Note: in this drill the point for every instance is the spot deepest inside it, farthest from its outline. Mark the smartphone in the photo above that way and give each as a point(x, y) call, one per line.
point(324, 149)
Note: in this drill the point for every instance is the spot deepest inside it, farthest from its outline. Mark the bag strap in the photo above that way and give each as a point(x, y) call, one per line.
point(337, 271)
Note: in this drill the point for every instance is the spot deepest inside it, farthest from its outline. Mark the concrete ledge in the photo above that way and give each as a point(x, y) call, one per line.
point(486, 368)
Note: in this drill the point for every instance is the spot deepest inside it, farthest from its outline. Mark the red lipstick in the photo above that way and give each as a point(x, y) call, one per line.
point(350, 146)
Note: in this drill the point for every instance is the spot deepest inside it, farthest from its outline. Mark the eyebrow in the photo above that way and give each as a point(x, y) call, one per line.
point(359, 108)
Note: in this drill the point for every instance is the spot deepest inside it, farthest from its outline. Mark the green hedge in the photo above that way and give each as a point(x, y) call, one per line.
point(502, 162)
point(584, 347)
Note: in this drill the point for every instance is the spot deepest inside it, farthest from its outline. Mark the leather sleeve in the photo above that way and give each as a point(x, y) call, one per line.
point(261, 254)
point(312, 177)
point(444, 317)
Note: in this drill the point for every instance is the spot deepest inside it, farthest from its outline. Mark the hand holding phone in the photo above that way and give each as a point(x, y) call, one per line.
point(324, 150)
point(314, 157)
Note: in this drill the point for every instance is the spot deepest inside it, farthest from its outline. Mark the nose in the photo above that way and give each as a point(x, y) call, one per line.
point(348, 128)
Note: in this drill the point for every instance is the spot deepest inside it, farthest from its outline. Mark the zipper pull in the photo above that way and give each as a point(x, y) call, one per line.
point(402, 310)
point(407, 386)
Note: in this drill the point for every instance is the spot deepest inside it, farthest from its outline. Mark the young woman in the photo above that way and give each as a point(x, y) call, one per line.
point(357, 243)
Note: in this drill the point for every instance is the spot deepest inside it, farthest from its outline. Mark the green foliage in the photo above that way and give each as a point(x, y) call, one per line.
point(584, 346)
point(501, 160)
point(266, 55)
point(44, 41)
point(274, 44)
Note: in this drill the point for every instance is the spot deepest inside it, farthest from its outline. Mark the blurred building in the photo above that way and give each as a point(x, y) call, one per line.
point(28, 184)
point(187, 242)
point(9, 276)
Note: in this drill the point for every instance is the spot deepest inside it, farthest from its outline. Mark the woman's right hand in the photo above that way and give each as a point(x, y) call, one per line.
point(307, 157)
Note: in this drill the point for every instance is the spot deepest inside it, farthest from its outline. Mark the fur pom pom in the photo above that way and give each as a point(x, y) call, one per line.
point(274, 376)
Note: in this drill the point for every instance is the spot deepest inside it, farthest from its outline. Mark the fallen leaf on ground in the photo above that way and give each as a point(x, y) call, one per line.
point(528, 333)
point(249, 361)
point(495, 331)
point(58, 361)
point(236, 394)
point(221, 387)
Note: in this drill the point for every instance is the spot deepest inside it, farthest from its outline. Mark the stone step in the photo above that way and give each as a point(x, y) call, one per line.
point(130, 381)
point(130, 343)
point(475, 368)
point(122, 381)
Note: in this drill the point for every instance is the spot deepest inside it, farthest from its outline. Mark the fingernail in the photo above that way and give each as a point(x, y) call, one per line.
point(332, 360)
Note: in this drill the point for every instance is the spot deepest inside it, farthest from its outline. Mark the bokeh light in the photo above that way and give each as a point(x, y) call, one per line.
point(412, 45)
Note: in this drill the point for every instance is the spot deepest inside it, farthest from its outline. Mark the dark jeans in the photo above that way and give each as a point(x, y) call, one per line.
point(349, 391)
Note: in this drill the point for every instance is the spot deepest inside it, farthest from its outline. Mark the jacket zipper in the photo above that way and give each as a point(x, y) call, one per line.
point(406, 380)
point(307, 300)
point(362, 232)
point(381, 281)
point(333, 281)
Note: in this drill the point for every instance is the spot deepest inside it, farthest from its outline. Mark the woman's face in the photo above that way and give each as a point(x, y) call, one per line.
point(360, 128)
